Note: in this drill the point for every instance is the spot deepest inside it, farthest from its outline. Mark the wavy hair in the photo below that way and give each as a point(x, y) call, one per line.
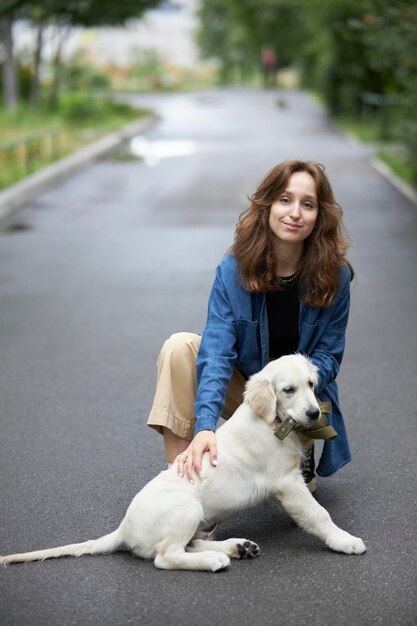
point(324, 249)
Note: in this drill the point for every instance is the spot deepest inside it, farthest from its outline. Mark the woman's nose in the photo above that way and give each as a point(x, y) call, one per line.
point(295, 210)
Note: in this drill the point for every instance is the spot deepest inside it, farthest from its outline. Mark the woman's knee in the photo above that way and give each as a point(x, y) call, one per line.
point(180, 347)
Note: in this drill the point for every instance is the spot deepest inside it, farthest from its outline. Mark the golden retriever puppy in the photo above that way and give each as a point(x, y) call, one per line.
point(253, 465)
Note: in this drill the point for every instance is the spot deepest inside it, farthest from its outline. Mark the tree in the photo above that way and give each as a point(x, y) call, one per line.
point(8, 64)
point(10, 91)
point(344, 49)
point(235, 31)
point(64, 14)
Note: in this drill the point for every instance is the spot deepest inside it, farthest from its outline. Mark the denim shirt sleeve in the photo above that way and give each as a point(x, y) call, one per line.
point(328, 351)
point(216, 357)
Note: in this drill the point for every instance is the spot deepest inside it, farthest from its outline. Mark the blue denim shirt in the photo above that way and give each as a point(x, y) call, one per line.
point(236, 335)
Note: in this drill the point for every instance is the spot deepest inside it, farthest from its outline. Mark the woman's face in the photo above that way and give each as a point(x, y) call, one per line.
point(294, 213)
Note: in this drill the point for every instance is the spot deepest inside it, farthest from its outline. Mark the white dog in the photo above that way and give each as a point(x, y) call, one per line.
point(253, 465)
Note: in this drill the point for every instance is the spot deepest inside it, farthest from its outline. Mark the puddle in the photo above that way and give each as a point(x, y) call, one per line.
point(152, 152)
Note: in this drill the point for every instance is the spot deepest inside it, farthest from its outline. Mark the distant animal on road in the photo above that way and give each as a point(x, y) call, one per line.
point(163, 519)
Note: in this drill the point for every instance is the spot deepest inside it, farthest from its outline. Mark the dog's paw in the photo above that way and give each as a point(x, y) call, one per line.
point(218, 561)
point(246, 549)
point(357, 546)
point(346, 543)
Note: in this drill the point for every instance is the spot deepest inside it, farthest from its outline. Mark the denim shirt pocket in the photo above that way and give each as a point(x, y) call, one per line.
point(247, 341)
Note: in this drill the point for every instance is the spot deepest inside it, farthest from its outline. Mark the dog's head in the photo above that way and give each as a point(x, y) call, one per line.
point(285, 388)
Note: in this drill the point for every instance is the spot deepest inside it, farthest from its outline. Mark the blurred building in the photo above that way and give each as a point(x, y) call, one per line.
point(168, 30)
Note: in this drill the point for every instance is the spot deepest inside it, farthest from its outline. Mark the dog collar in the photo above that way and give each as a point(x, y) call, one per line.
point(319, 430)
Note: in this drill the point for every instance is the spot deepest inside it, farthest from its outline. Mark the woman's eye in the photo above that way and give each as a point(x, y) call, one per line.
point(285, 200)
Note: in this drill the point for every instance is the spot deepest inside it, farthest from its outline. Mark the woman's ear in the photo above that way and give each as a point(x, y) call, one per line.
point(260, 396)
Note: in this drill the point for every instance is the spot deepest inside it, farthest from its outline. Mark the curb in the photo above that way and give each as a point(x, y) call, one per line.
point(403, 187)
point(382, 168)
point(15, 196)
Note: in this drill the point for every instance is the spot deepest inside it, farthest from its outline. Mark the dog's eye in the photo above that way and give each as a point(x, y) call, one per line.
point(311, 384)
point(289, 390)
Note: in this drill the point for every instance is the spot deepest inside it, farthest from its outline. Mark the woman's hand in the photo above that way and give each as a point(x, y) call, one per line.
point(190, 460)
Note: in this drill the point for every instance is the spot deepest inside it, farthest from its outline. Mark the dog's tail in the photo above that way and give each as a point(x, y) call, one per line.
point(107, 544)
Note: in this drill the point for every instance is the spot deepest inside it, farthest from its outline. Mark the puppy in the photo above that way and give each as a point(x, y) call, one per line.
point(253, 465)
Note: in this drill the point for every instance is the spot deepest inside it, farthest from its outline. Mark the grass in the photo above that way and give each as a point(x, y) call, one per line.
point(396, 157)
point(394, 154)
point(366, 130)
point(31, 139)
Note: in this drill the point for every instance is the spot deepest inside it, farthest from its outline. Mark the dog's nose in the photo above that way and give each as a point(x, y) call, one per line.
point(313, 414)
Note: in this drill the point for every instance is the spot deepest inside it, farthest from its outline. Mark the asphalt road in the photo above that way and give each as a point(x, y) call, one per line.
point(94, 275)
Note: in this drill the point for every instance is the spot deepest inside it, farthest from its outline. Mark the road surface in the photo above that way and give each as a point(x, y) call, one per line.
point(94, 274)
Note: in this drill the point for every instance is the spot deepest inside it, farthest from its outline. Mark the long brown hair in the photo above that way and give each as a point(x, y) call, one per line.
point(324, 249)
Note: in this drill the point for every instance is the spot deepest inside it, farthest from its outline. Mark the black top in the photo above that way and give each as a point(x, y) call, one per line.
point(283, 307)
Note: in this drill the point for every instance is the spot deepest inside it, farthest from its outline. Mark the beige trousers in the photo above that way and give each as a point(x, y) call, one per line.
point(176, 387)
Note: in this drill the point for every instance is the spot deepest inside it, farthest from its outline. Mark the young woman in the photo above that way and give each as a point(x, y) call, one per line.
point(283, 287)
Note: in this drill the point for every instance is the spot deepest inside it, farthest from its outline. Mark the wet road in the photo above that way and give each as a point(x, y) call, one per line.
point(96, 273)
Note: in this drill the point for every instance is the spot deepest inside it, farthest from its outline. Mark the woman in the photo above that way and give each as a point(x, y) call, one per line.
point(283, 287)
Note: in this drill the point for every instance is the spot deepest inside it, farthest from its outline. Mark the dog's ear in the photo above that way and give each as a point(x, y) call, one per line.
point(260, 396)
point(314, 372)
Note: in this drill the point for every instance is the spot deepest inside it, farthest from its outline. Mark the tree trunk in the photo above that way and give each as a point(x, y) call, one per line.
point(35, 86)
point(8, 63)
point(63, 32)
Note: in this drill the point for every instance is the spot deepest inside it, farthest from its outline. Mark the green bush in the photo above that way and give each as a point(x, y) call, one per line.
point(78, 74)
point(84, 108)
point(81, 107)
point(148, 71)
point(119, 108)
